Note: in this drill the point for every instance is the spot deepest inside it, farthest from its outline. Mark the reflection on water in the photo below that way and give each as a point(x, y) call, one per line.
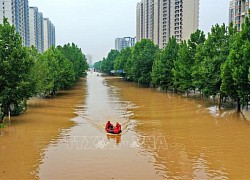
point(116, 138)
point(88, 152)
point(202, 142)
point(164, 137)
point(22, 143)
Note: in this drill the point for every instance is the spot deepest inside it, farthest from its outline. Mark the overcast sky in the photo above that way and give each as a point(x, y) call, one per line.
point(94, 24)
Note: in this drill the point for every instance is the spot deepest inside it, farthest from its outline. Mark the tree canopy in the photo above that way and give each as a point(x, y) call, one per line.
point(26, 73)
point(215, 66)
point(15, 64)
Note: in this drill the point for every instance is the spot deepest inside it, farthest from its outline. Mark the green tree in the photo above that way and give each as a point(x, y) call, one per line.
point(78, 59)
point(162, 69)
point(108, 63)
point(61, 71)
point(129, 66)
point(235, 81)
point(143, 58)
point(41, 75)
point(210, 57)
point(196, 39)
point(121, 60)
point(35, 56)
point(158, 74)
point(249, 74)
point(15, 65)
point(97, 65)
point(182, 71)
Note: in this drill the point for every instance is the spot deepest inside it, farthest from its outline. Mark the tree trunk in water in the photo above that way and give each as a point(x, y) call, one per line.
point(219, 102)
point(1, 118)
point(238, 106)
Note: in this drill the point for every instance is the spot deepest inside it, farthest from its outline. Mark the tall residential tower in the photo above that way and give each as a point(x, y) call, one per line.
point(29, 23)
point(17, 13)
point(238, 10)
point(158, 20)
point(49, 34)
point(36, 28)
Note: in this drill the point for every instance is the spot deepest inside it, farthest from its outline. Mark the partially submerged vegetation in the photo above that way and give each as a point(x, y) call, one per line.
point(26, 73)
point(216, 66)
point(3, 125)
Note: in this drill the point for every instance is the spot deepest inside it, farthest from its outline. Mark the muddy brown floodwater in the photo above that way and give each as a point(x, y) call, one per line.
point(164, 136)
point(22, 144)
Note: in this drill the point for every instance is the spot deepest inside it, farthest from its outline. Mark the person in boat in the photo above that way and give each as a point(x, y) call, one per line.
point(117, 129)
point(109, 125)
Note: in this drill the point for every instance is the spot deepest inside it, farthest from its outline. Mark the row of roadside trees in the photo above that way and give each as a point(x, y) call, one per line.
point(25, 73)
point(216, 65)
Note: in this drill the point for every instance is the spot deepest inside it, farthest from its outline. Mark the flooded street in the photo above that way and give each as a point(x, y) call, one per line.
point(86, 152)
point(23, 143)
point(164, 136)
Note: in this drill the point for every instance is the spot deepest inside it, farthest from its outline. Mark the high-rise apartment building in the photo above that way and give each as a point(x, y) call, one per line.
point(232, 12)
point(122, 43)
point(36, 28)
point(8, 10)
point(17, 13)
point(40, 32)
point(49, 33)
point(238, 10)
point(33, 16)
point(24, 14)
point(89, 59)
point(46, 33)
point(158, 20)
point(29, 23)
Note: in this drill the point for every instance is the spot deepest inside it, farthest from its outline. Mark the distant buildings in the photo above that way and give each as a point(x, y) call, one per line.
point(40, 32)
point(238, 10)
point(17, 12)
point(49, 34)
point(36, 29)
point(29, 23)
point(122, 43)
point(232, 12)
point(89, 60)
point(24, 12)
point(158, 20)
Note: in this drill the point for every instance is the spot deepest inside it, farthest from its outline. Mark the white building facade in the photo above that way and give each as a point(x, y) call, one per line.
point(49, 34)
point(40, 32)
point(158, 20)
point(33, 16)
point(89, 59)
point(17, 13)
point(122, 43)
point(238, 11)
point(34, 29)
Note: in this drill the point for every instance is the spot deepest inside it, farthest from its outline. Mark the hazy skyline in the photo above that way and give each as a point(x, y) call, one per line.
point(94, 24)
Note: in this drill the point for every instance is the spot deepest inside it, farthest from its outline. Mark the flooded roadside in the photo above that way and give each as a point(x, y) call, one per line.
point(164, 136)
point(87, 152)
point(202, 143)
point(22, 144)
